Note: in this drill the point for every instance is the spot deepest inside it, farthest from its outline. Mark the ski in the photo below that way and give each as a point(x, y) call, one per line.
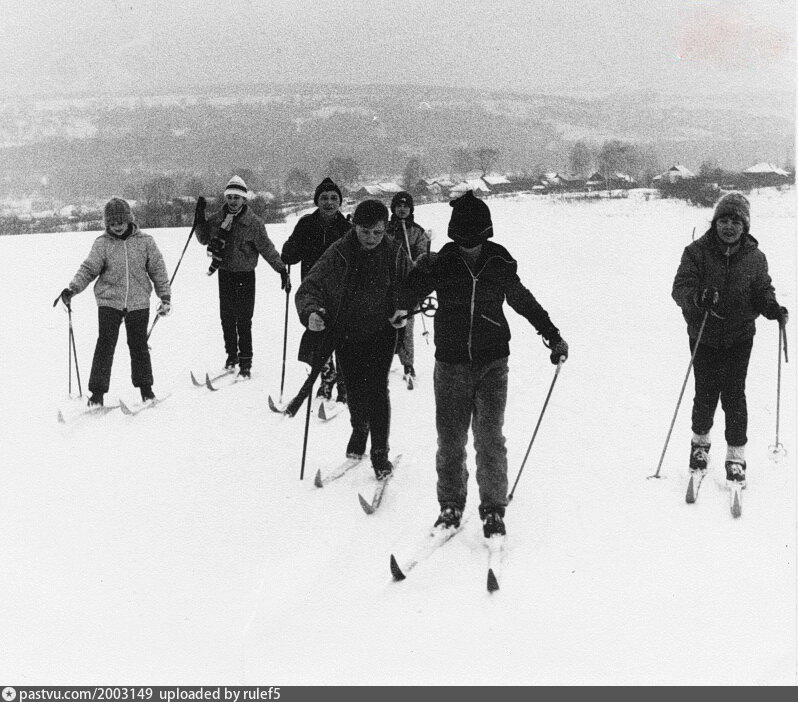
point(431, 542)
point(369, 507)
point(495, 545)
point(696, 478)
point(209, 382)
point(133, 411)
point(100, 411)
point(204, 384)
point(337, 472)
point(736, 500)
point(329, 410)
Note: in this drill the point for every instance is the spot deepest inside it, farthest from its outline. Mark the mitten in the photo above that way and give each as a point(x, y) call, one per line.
point(165, 307)
point(707, 299)
point(199, 211)
point(398, 319)
point(316, 321)
point(559, 350)
point(66, 295)
point(285, 280)
point(776, 311)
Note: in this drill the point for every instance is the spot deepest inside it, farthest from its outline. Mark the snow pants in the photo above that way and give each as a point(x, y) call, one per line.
point(720, 375)
point(365, 365)
point(236, 306)
point(469, 394)
point(110, 319)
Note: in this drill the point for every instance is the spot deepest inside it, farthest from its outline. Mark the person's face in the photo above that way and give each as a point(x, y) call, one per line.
point(402, 210)
point(329, 202)
point(234, 202)
point(117, 228)
point(729, 229)
point(370, 237)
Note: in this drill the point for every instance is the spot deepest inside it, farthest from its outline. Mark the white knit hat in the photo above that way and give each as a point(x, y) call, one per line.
point(237, 186)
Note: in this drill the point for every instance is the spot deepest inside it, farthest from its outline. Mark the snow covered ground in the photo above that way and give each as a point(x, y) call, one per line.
point(180, 547)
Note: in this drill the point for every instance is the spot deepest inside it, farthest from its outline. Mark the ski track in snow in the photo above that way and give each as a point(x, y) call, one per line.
point(180, 547)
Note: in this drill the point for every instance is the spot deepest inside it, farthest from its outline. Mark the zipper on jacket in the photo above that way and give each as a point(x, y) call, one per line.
point(127, 274)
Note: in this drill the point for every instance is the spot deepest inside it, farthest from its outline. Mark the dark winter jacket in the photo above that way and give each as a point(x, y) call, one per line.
point(246, 239)
point(332, 285)
point(470, 323)
point(743, 282)
point(411, 234)
point(310, 239)
point(126, 268)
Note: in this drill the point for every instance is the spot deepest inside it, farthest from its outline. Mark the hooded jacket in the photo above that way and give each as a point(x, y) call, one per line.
point(125, 268)
point(246, 240)
point(329, 285)
point(412, 235)
point(469, 323)
point(742, 279)
point(310, 240)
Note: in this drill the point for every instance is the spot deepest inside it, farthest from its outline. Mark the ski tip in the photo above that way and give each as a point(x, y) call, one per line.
point(396, 571)
point(208, 383)
point(61, 419)
point(736, 508)
point(689, 498)
point(274, 408)
point(317, 481)
point(322, 413)
point(125, 409)
point(493, 584)
point(197, 383)
point(367, 508)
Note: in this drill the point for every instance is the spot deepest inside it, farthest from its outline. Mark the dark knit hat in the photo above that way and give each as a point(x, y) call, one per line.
point(237, 186)
point(117, 211)
point(324, 186)
point(470, 222)
point(402, 198)
point(734, 205)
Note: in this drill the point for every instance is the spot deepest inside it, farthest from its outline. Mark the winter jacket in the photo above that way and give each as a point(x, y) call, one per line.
point(329, 285)
point(743, 282)
point(124, 267)
point(309, 240)
point(417, 238)
point(246, 239)
point(469, 322)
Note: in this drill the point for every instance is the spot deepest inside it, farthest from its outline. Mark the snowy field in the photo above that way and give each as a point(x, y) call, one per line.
point(179, 547)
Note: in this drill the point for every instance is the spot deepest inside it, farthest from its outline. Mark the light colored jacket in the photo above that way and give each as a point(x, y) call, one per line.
point(126, 269)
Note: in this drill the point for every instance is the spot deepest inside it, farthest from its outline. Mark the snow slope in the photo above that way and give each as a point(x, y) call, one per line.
point(180, 547)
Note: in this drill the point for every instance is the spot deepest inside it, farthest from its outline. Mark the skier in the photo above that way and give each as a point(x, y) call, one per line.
point(311, 237)
point(235, 236)
point(473, 277)
point(351, 293)
point(415, 242)
point(723, 277)
point(126, 263)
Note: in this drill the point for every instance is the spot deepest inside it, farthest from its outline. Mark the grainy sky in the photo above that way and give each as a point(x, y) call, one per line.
point(59, 46)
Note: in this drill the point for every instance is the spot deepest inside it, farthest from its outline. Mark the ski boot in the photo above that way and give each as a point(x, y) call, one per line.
point(449, 518)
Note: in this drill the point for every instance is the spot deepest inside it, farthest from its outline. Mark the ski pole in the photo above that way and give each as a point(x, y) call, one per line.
point(75, 354)
point(777, 451)
point(174, 273)
point(679, 401)
point(537, 426)
point(285, 338)
point(305, 440)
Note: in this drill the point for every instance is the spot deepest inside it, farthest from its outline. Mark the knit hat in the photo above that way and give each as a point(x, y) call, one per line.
point(323, 187)
point(237, 186)
point(402, 198)
point(117, 211)
point(470, 223)
point(734, 205)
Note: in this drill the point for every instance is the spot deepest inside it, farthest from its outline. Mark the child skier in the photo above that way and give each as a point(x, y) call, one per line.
point(126, 263)
point(473, 277)
point(723, 278)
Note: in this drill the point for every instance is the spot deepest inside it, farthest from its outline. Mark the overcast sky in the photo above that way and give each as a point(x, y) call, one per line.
point(526, 45)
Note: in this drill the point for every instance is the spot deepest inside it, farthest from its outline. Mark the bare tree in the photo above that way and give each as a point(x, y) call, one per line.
point(412, 174)
point(486, 157)
point(343, 170)
point(580, 160)
point(298, 181)
point(462, 161)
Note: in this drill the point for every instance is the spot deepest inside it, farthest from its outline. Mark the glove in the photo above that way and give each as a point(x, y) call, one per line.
point(399, 319)
point(66, 296)
point(783, 316)
point(559, 350)
point(708, 299)
point(285, 280)
point(199, 212)
point(316, 321)
point(164, 308)
point(776, 311)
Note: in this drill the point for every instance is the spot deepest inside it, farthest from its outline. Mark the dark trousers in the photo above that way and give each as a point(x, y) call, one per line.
point(365, 365)
point(136, 323)
point(471, 395)
point(720, 374)
point(236, 306)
